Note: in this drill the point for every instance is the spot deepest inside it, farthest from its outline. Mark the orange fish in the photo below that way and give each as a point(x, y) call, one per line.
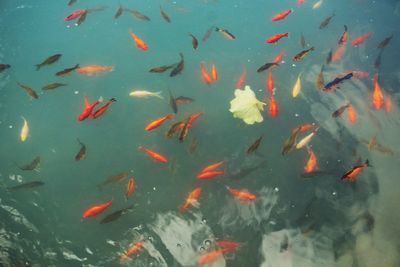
point(214, 72)
point(358, 74)
point(276, 38)
point(311, 165)
point(273, 107)
point(242, 80)
point(300, 2)
point(204, 74)
point(132, 250)
point(242, 195)
point(130, 188)
point(377, 95)
point(352, 115)
point(194, 118)
point(99, 112)
point(96, 210)
point(388, 104)
point(361, 39)
point(270, 83)
point(281, 16)
point(94, 69)
point(213, 256)
point(279, 57)
point(227, 244)
point(209, 175)
point(305, 128)
point(339, 53)
point(192, 199)
point(87, 112)
point(157, 123)
point(154, 155)
point(139, 42)
point(351, 175)
point(213, 167)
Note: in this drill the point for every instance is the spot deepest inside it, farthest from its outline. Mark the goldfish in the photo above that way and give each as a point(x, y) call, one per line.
point(297, 87)
point(352, 175)
point(130, 187)
point(192, 199)
point(139, 42)
point(242, 195)
point(361, 39)
point(303, 142)
point(132, 250)
point(338, 53)
point(276, 38)
point(358, 74)
point(204, 74)
point(94, 69)
point(270, 83)
point(74, 15)
point(388, 104)
point(214, 72)
point(209, 175)
point(227, 244)
point(281, 15)
point(48, 61)
point(103, 109)
point(158, 122)
point(96, 210)
point(213, 256)
point(194, 117)
point(352, 115)
point(154, 155)
point(305, 128)
point(279, 57)
point(24, 131)
point(142, 93)
point(273, 107)
point(377, 95)
point(213, 166)
point(311, 165)
point(242, 80)
point(300, 2)
point(317, 4)
point(88, 109)
point(226, 33)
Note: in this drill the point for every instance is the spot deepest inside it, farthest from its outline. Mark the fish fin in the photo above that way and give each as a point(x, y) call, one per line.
point(158, 94)
point(87, 103)
point(113, 99)
point(100, 99)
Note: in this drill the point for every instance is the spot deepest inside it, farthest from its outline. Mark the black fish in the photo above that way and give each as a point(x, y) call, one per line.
point(161, 69)
point(255, 145)
point(195, 43)
point(173, 129)
point(181, 100)
point(48, 61)
point(302, 41)
point(300, 56)
point(377, 63)
point(178, 69)
point(139, 15)
point(115, 215)
point(226, 33)
point(385, 42)
point(290, 142)
point(340, 110)
point(329, 57)
point(114, 179)
point(53, 86)
point(119, 12)
point(4, 67)
point(331, 86)
point(165, 15)
point(82, 18)
point(67, 70)
point(71, 2)
point(172, 102)
point(31, 166)
point(184, 132)
point(28, 90)
point(267, 66)
point(81, 155)
point(26, 185)
point(344, 36)
point(326, 21)
point(208, 33)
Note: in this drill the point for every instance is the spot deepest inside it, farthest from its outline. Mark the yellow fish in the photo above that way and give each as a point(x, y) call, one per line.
point(24, 131)
point(317, 4)
point(297, 87)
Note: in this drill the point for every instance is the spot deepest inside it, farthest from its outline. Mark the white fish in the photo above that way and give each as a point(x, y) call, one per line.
point(24, 131)
point(142, 93)
point(303, 142)
point(317, 4)
point(297, 87)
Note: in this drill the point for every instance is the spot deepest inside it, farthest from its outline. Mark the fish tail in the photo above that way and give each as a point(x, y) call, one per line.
point(286, 34)
point(113, 99)
point(312, 48)
point(367, 163)
point(38, 66)
point(158, 94)
point(217, 29)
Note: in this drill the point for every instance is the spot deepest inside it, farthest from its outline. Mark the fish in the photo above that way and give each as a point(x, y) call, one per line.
point(53, 86)
point(29, 90)
point(385, 42)
point(3, 67)
point(204, 74)
point(27, 185)
point(331, 86)
point(300, 2)
point(33, 165)
point(214, 72)
point(194, 117)
point(173, 129)
point(103, 109)
point(352, 175)
point(213, 256)
point(213, 167)
point(339, 53)
point(179, 67)
point(87, 112)
point(329, 57)
point(241, 82)
point(208, 34)
point(226, 34)
point(320, 83)
point(119, 12)
point(290, 142)
point(139, 42)
point(154, 155)
point(302, 41)
point(195, 42)
point(192, 199)
point(114, 179)
point(326, 21)
point(142, 93)
point(340, 110)
point(266, 66)
point(172, 102)
point(164, 15)
point(81, 155)
point(209, 175)
point(71, 2)
point(193, 145)
point(82, 18)
point(227, 244)
point(297, 87)
point(282, 15)
point(94, 69)
point(358, 74)
point(115, 215)
point(305, 128)
point(352, 115)
point(24, 131)
point(184, 131)
point(312, 164)
point(279, 58)
point(161, 69)
point(373, 145)
point(317, 4)
point(377, 95)
point(242, 195)
point(273, 107)
point(139, 15)
point(253, 148)
point(74, 15)
point(377, 62)
point(130, 188)
point(270, 83)
point(157, 123)
point(67, 70)
point(315, 173)
point(344, 38)
point(136, 248)
point(96, 210)
point(276, 38)
point(303, 142)
point(388, 104)
point(361, 39)
point(183, 100)
point(300, 56)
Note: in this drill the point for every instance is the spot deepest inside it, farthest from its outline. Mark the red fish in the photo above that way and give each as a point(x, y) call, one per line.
point(311, 165)
point(388, 104)
point(279, 57)
point(377, 95)
point(361, 39)
point(74, 15)
point(213, 167)
point(194, 118)
point(132, 250)
point(103, 109)
point(270, 83)
point(192, 199)
point(277, 37)
point(214, 72)
point(352, 175)
point(213, 256)
point(139, 42)
point(273, 107)
point(242, 80)
point(209, 175)
point(130, 188)
point(339, 53)
point(358, 74)
point(352, 115)
point(204, 75)
point(94, 69)
point(96, 210)
point(300, 2)
point(88, 109)
point(157, 123)
point(282, 15)
point(227, 244)
point(242, 195)
point(345, 37)
point(154, 155)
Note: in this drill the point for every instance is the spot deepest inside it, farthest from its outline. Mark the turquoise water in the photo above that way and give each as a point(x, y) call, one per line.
point(294, 221)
